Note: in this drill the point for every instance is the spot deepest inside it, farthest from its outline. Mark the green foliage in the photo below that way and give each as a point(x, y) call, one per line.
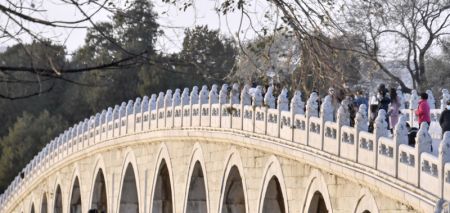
point(131, 32)
point(206, 58)
point(37, 54)
point(25, 138)
point(211, 55)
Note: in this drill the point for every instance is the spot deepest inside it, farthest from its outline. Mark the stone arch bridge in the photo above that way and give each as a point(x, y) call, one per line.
point(220, 151)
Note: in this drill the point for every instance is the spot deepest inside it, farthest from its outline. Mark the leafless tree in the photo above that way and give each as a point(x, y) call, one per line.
point(26, 21)
point(410, 29)
point(415, 26)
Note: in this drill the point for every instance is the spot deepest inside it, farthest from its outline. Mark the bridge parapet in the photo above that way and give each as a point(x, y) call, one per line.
point(415, 166)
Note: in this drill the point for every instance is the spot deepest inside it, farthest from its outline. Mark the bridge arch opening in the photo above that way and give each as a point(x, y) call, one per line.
point(196, 202)
point(75, 197)
point(44, 204)
point(234, 198)
point(366, 203)
point(32, 208)
point(273, 199)
point(317, 204)
point(129, 202)
point(99, 198)
point(58, 201)
point(162, 196)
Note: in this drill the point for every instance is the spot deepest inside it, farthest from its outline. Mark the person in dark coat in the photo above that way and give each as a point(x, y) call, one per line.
point(444, 120)
point(412, 133)
point(383, 101)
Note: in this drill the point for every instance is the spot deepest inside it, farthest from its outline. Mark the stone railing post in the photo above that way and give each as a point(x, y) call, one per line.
point(85, 133)
point(361, 124)
point(159, 109)
point(176, 101)
point(444, 157)
point(400, 137)
point(168, 121)
point(122, 114)
point(145, 109)
point(342, 119)
point(235, 100)
point(327, 109)
point(128, 115)
point(213, 99)
point(234, 94)
point(380, 130)
point(312, 110)
point(297, 104)
point(152, 105)
point(185, 101)
point(223, 97)
point(137, 113)
point(203, 99)
point(103, 126)
point(423, 144)
point(257, 101)
point(246, 100)
point(282, 105)
point(431, 101)
point(194, 99)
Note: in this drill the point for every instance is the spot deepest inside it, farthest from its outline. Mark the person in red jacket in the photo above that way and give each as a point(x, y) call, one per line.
point(423, 110)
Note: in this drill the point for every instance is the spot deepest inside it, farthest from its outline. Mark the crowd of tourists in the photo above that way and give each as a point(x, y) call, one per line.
point(391, 101)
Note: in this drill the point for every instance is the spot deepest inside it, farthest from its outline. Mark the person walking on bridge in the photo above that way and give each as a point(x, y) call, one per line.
point(423, 110)
point(444, 120)
point(383, 101)
point(394, 109)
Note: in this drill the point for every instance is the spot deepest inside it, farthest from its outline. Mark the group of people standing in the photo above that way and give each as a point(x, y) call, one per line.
point(391, 102)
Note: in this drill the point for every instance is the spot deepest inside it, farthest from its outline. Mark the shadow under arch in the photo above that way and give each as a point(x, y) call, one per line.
point(317, 198)
point(99, 199)
point(234, 198)
point(273, 197)
point(44, 205)
point(366, 202)
point(58, 204)
point(99, 190)
point(129, 200)
point(233, 194)
point(196, 199)
point(162, 194)
point(32, 208)
point(75, 197)
point(317, 204)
